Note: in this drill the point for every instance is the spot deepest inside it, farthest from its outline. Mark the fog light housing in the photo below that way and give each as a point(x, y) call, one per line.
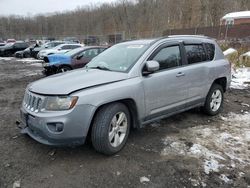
point(56, 127)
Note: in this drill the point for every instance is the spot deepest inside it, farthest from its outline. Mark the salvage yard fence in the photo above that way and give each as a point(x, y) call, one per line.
point(223, 33)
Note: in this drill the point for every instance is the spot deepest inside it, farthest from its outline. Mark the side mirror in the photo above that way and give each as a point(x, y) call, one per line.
point(150, 67)
point(79, 57)
point(59, 49)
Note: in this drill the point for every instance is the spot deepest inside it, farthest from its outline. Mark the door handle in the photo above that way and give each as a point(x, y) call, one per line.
point(179, 74)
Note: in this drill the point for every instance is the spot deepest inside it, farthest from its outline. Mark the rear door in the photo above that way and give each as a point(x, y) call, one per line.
point(197, 72)
point(166, 90)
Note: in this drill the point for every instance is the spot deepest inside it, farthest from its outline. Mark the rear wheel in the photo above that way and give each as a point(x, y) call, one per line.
point(214, 100)
point(110, 128)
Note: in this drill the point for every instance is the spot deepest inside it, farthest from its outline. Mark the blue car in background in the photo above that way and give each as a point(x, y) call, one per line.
point(73, 59)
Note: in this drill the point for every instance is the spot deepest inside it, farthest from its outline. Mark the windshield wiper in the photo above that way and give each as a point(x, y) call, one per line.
point(99, 67)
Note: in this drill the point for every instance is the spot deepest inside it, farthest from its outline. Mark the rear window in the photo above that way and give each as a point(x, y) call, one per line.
point(195, 53)
point(210, 51)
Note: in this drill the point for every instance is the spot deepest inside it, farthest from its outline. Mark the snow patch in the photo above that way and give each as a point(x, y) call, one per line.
point(237, 15)
point(211, 165)
point(30, 60)
point(6, 58)
point(240, 78)
point(229, 51)
point(144, 179)
point(217, 148)
point(224, 178)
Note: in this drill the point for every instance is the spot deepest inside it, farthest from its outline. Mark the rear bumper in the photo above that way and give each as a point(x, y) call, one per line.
point(66, 128)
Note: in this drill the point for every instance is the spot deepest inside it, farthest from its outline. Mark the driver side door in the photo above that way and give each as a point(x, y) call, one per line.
point(166, 89)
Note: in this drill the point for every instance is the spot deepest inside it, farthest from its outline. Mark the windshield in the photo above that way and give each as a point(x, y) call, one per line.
point(119, 58)
point(58, 47)
point(49, 44)
point(9, 44)
point(73, 52)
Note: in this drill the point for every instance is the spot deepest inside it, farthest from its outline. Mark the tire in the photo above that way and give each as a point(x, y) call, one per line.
point(63, 69)
point(106, 129)
point(26, 55)
point(8, 54)
point(214, 100)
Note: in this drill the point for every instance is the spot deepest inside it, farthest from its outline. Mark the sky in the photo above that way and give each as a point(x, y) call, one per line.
point(33, 7)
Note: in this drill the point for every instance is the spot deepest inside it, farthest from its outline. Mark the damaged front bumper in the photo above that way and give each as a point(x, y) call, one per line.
point(67, 128)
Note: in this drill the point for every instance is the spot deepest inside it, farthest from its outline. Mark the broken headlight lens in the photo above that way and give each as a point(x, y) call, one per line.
point(58, 103)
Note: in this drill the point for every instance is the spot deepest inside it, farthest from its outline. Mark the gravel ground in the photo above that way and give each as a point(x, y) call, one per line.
point(186, 150)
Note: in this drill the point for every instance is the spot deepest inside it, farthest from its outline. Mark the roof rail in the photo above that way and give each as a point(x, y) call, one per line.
point(197, 36)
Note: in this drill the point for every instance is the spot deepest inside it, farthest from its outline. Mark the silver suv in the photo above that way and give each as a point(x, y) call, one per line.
point(127, 86)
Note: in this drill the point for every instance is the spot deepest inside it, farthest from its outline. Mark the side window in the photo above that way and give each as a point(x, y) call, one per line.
point(25, 45)
point(101, 50)
point(195, 53)
point(210, 51)
point(18, 45)
point(91, 53)
point(168, 57)
point(56, 44)
point(66, 47)
point(74, 46)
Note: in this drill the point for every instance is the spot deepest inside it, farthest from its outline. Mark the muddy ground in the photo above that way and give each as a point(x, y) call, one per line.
point(186, 150)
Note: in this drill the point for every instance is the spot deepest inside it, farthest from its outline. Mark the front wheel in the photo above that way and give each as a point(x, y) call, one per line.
point(63, 69)
point(214, 100)
point(110, 128)
point(26, 55)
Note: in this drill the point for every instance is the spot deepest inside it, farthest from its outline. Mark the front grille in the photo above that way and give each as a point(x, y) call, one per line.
point(46, 59)
point(32, 102)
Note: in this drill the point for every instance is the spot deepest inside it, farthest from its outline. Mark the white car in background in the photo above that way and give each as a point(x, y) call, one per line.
point(60, 49)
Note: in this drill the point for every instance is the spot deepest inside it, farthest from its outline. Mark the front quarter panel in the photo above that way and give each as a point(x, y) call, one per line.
point(126, 89)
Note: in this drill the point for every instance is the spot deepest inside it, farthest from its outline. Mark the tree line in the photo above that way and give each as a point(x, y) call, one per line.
point(143, 18)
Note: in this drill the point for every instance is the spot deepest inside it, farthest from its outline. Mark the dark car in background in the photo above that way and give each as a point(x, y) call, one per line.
point(25, 53)
point(73, 59)
point(48, 45)
point(11, 48)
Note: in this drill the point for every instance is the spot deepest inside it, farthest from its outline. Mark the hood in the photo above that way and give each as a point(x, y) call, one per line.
point(66, 83)
point(57, 58)
point(48, 51)
point(38, 49)
point(5, 47)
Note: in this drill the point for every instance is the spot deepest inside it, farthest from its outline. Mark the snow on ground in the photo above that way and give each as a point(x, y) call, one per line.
point(218, 148)
point(240, 78)
point(30, 60)
point(6, 58)
point(25, 67)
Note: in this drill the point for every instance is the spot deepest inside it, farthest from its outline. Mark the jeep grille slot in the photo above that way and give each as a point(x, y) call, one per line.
point(32, 102)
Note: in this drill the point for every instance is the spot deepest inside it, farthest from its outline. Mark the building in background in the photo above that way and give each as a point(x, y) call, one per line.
point(236, 18)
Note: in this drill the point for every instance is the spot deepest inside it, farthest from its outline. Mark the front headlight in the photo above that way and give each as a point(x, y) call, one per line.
point(58, 103)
